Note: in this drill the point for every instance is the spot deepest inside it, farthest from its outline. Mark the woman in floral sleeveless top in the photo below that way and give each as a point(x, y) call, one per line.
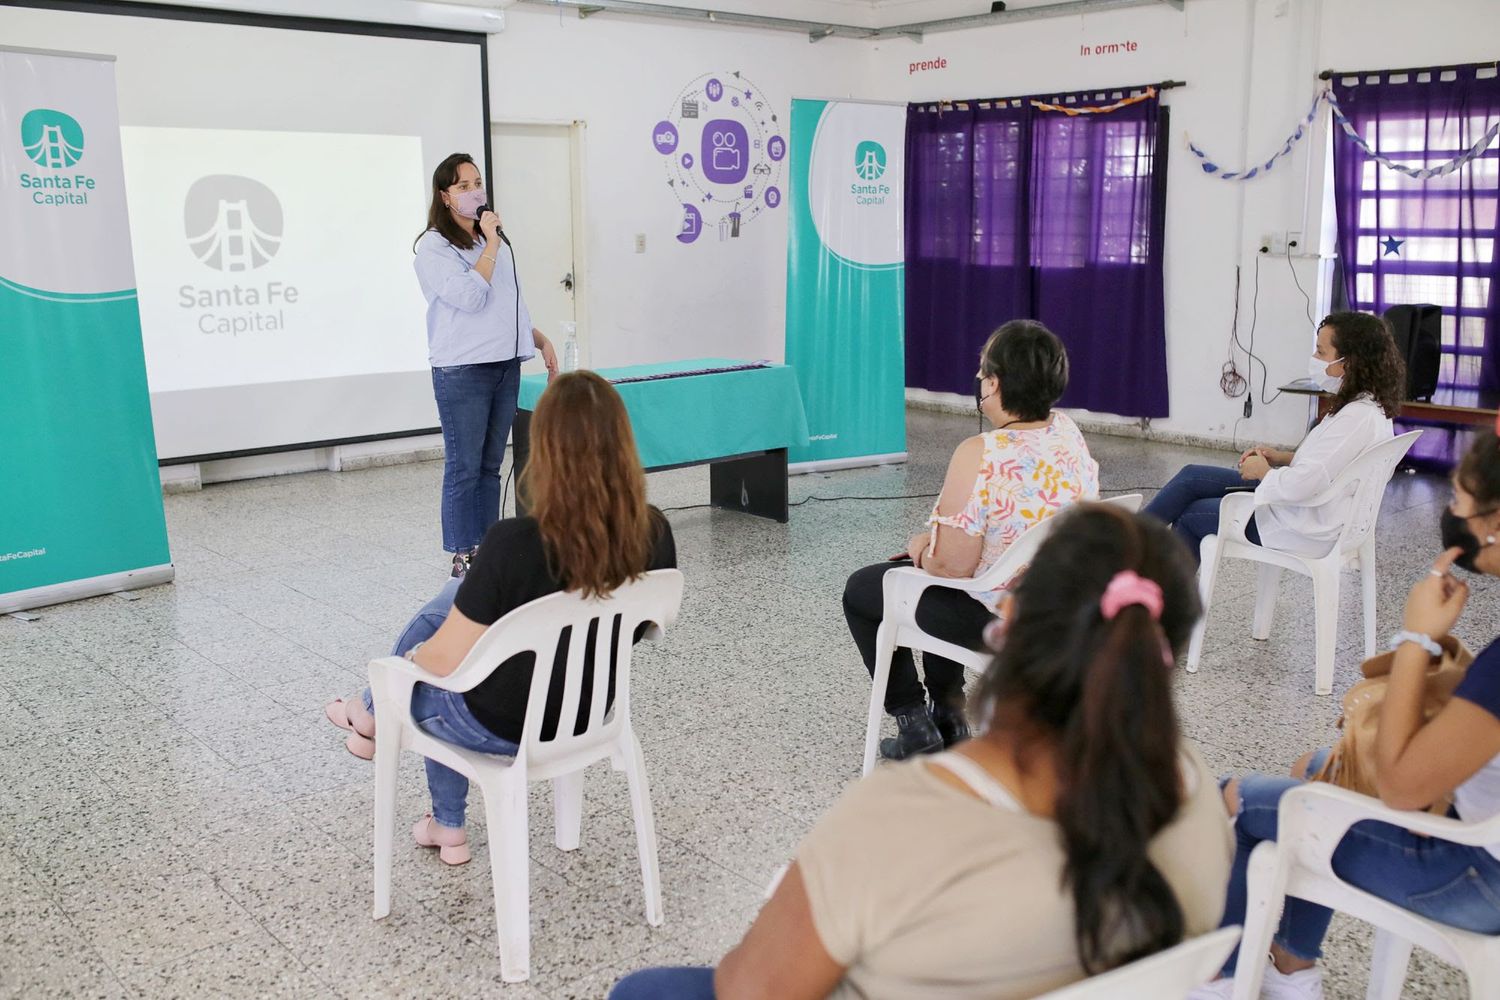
point(1031, 466)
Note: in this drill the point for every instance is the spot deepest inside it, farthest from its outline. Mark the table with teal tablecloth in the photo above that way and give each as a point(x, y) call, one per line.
point(739, 422)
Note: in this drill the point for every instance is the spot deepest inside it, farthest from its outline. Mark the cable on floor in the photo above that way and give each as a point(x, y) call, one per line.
point(900, 496)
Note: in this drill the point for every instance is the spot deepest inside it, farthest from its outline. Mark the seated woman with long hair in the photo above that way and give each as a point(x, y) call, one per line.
point(1357, 361)
point(1419, 761)
point(590, 530)
point(999, 483)
point(1080, 832)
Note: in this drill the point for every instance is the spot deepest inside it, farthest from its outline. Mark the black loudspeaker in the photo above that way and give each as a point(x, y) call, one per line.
point(997, 6)
point(1418, 331)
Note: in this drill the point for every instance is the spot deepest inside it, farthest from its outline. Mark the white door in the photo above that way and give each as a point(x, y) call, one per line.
point(534, 185)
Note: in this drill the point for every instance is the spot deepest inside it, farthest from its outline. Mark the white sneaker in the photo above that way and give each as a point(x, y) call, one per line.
point(1304, 985)
point(1219, 989)
point(1275, 985)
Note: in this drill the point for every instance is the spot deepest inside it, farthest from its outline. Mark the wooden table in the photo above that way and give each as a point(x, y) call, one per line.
point(1460, 407)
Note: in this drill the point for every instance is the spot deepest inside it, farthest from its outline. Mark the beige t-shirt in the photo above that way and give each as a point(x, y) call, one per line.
point(922, 890)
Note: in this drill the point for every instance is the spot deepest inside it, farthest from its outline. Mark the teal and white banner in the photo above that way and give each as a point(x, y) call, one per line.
point(80, 493)
point(845, 325)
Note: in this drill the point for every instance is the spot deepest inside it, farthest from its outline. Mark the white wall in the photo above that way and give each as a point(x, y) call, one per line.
point(620, 75)
point(1251, 68)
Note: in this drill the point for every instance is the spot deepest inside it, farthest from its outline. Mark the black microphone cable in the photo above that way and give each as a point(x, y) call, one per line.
point(515, 279)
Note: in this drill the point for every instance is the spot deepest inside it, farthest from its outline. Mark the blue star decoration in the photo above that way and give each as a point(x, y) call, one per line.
point(1392, 245)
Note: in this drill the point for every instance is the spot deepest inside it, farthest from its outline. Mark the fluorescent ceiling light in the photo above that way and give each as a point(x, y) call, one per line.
point(415, 13)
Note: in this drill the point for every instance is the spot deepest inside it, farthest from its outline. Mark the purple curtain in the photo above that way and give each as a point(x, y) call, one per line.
point(1013, 212)
point(1408, 242)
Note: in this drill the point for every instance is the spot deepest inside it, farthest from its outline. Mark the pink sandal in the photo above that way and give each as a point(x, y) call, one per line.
point(452, 845)
point(360, 746)
point(351, 715)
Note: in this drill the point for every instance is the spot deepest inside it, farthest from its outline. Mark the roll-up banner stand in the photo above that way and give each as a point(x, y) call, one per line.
point(845, 326)
point(80, 491)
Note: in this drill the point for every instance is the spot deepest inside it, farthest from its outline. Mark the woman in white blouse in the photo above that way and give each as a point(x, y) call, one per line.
point(1356, 360)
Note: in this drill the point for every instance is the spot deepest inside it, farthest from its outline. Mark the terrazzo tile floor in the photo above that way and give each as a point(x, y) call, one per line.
point(177, 818)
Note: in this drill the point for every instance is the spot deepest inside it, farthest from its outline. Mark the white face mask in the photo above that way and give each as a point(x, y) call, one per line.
point(1317, 371)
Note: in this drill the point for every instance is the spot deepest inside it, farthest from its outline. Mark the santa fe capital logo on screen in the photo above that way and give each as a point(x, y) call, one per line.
point(52, 139)
point(232, 223)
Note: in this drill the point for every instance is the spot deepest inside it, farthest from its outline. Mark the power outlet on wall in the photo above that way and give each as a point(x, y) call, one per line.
point(1272, 243)
point(1279, 244)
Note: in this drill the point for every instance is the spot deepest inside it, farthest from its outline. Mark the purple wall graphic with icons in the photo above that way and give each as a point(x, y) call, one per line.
point(722, 145)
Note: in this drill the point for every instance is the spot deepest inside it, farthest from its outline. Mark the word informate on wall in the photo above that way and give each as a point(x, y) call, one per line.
point(1108, 48)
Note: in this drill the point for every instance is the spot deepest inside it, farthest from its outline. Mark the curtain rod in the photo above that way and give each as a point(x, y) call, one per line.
point(1329, 74)
point(1164, 85)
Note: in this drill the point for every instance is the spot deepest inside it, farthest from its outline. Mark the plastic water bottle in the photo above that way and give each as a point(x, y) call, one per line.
point(570, 346)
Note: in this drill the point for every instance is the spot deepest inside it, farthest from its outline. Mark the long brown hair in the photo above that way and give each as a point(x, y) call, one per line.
point(1096, 692)
point(585, 486)
point(1372, 365)
point(439, 219)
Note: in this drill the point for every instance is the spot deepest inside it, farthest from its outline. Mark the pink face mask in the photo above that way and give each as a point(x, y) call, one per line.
point(468, 203)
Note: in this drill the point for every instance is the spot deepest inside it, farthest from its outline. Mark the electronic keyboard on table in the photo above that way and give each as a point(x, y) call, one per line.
point(697, 371)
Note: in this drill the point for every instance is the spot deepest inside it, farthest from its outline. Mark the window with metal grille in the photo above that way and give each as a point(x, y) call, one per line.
point(1429, 241)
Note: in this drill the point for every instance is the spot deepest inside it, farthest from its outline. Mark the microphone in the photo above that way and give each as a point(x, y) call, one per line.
point(479, 214)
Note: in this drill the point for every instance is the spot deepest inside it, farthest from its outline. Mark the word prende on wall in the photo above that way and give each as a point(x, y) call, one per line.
point(1107, 48)
point(927, 65)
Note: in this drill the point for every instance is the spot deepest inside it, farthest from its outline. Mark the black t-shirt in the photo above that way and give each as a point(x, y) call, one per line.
point(509, 570)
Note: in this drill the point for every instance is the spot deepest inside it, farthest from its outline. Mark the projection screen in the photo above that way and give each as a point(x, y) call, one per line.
point(277, 174)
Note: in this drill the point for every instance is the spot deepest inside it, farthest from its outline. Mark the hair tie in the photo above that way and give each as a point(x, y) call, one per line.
point(1127, 588)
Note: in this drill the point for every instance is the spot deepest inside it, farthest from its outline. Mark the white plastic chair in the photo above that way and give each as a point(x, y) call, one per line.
point(1362, 486)
point(535, 627)
point(1311, 821)
point(1167, 975)
point(902, 590)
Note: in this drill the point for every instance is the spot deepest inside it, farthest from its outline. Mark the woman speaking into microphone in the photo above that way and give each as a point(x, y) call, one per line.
point(478, 333)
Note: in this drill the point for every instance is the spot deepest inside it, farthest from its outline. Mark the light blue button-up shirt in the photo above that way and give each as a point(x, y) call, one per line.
point(471, 321)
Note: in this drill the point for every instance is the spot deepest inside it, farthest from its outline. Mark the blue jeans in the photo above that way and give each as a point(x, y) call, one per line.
point(1453, 884)
point(444, 714)
point(476, 405)
point(681, 983)
point(1190, 503)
